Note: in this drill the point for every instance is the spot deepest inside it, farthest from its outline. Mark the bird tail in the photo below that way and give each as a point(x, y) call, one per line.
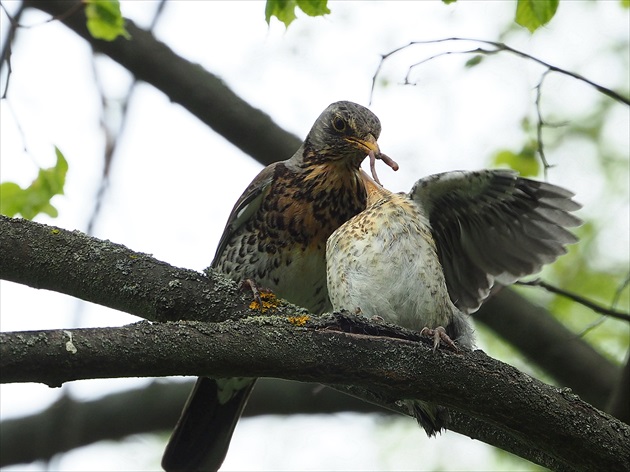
point(202, 435)
point(433, 418)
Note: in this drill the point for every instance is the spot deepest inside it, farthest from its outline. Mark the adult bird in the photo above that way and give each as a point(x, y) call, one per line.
point(426, 259)
point(276, 237)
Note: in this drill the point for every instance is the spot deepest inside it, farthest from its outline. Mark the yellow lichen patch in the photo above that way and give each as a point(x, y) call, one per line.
point(298, 320)
point(54, 231)
point(269, 302)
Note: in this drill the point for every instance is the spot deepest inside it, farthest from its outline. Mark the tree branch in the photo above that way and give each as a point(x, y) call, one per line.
point(498, 47)
point(41, 256)
point(368, 357)
point(111, 275)
point(620, 315)
point(619, 406)
point(550, 419)
point(551, 345)
point(155, 407)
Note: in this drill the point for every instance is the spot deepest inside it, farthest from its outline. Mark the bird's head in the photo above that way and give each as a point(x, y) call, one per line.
point(345, 131)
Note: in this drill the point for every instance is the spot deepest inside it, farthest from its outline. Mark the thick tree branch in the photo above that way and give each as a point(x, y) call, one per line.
point(619, 405)
point(45, 257)
point(153, 408)
point(203, 94)
point(111, 275)
point(551, 345)
point(114, 276)
point(548, 418)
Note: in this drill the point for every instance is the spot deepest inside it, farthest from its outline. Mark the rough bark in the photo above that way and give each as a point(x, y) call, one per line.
point(560, 430)
point(551, 345)
point(491, 401)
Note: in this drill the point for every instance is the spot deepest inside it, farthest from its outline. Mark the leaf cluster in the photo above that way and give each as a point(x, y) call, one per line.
point(35, 199)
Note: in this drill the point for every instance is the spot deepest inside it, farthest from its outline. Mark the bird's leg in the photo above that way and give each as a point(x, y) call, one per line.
point(438, 334)
point(253, 286)
point(263, 297)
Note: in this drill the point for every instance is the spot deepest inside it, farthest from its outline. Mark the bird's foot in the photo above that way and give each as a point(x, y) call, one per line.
point(264, 299)
point(439, 334)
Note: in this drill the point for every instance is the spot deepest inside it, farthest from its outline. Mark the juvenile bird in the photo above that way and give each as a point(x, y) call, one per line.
point(276, 237)
point(426, 259)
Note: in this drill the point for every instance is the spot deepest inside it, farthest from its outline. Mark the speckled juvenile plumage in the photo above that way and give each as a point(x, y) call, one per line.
point(427, 258)
point(384, 261)
point(276, 236)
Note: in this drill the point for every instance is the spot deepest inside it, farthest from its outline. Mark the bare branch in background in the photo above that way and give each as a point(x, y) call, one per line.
point(113, 131)
point(498, 47)
point(578, 299)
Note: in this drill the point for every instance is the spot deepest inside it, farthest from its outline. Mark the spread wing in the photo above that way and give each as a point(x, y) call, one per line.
point(493, 225)
point(246, 206)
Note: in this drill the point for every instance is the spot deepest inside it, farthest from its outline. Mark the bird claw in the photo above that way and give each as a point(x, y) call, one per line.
point(438, 334)
point(385, 158)
point(259, 293)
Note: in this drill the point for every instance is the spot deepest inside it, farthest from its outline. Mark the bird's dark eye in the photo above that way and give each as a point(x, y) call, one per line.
point(339, 123)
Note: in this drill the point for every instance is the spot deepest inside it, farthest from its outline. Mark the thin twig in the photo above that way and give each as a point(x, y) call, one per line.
point(540, 124)
point(602, 318)
point(59, 17)
point(5, 56)
point(486, 52)
point(498, 48)
point(113, 138)
point(620, 289)
point(577, 298)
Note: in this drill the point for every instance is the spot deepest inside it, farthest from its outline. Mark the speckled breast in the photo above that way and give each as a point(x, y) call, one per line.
point(282, 246)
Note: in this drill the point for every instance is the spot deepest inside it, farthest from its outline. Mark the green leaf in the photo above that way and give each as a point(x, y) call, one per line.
point(11, 200)
point(524, 162)
point(313, 7)
point(625, 3)
point(104, 20)
point(35, 199)
point(284, 10)
point(448, 1)
point(532, 14)
point(474, 61)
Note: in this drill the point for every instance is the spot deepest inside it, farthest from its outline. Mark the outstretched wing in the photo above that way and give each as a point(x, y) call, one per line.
point(246, 206)
point(493, 225)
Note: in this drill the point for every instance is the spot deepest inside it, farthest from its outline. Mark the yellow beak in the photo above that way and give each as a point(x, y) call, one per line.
point(367, 145)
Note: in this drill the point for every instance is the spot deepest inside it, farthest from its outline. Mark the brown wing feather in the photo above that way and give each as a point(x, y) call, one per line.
point(493, 226)
point(247, 204)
